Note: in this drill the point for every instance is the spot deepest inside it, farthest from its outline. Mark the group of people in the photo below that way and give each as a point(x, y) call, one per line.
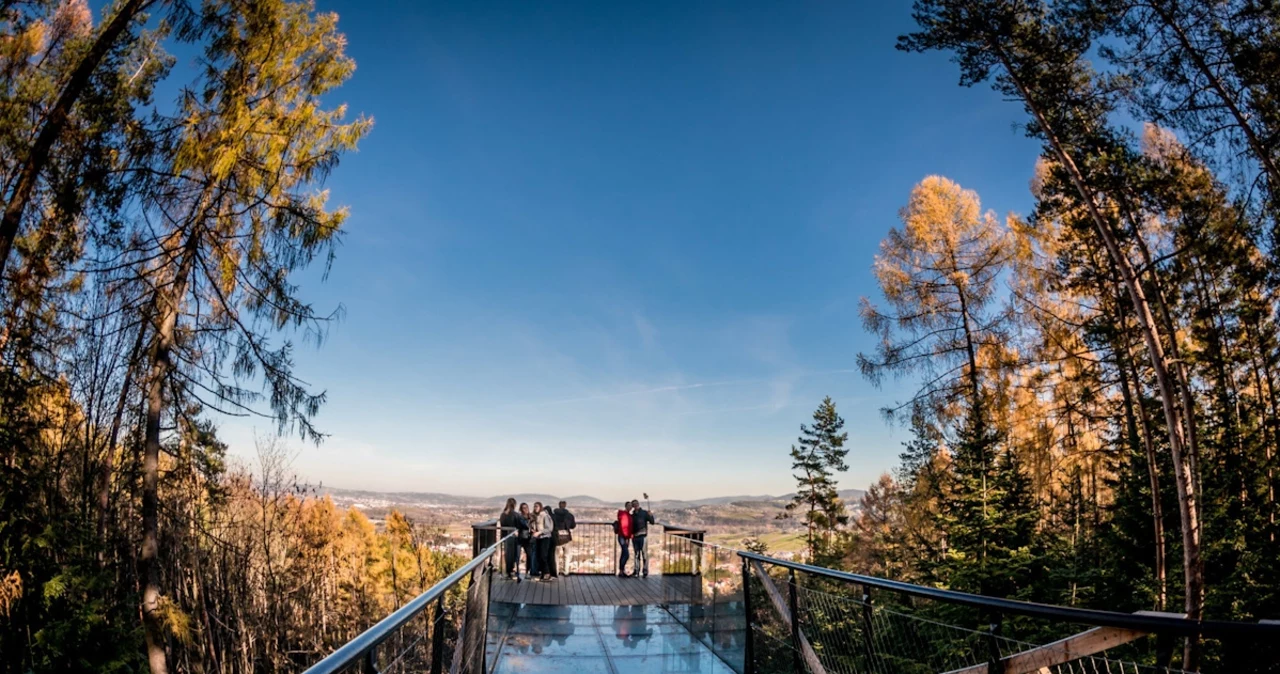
point(538, 534)
point(632, 530)
point(541, 534)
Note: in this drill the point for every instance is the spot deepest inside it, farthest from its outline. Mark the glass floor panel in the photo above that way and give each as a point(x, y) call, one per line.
point(533, 639)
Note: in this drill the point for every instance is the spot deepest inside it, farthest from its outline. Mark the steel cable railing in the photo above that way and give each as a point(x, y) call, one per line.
point(427, 634)
point(803, 618)
point(593, 550)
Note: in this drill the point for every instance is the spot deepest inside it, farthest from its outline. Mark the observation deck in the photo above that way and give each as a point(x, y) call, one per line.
point(711, 609)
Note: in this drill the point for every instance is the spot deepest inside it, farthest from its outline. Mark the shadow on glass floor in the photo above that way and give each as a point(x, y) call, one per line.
point(531, 639)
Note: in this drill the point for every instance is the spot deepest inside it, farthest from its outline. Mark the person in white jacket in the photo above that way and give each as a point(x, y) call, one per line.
point(542, 531)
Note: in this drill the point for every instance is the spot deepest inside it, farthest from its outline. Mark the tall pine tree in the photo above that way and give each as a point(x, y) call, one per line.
point(820, 454)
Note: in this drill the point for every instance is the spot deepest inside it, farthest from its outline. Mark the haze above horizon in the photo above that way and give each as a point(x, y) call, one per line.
point(602, 249)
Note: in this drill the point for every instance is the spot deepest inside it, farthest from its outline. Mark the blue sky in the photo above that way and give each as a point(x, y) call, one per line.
point(605, 248)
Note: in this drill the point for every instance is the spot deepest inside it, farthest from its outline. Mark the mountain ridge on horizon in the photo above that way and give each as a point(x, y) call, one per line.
point(849, 496)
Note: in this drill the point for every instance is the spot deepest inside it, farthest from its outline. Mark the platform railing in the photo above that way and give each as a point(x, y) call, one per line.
point(804, 618)
point(704, 594)
point(595, 548)
point(433, 632)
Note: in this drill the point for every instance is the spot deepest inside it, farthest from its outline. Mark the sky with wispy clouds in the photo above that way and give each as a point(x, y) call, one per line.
point(607, 248)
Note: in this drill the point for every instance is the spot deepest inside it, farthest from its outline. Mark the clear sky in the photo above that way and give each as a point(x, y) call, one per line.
point(608, 248)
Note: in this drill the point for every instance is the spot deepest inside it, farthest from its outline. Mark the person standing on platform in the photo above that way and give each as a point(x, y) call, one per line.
point(542, 536)
point(622, 527)
point(565, 524)
point(640, 521)
point(526, 540)
point(514, 525)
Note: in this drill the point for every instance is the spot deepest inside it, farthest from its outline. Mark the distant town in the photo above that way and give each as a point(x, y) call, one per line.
point(728, 520)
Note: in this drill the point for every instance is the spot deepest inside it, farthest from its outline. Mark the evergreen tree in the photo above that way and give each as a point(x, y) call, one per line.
point(988, 515)
point(820, 454)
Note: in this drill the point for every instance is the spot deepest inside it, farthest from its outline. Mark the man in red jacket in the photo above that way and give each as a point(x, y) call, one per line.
point(622, 527)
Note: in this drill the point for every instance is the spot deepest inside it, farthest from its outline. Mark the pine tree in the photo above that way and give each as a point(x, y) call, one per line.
point(820, 454)
point(987, 514)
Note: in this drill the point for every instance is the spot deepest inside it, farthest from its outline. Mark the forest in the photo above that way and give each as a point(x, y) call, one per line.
point(148, 253)
point(1097, 418)
point(1096, 424)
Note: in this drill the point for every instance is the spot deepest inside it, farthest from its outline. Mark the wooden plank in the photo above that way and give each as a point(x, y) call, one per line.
point(596, 585)
point(575, 590)
point(609, 588)
point(1041, 658)
point(588, 589)
point(592, 592)
point(806, 649)
point(564, 591)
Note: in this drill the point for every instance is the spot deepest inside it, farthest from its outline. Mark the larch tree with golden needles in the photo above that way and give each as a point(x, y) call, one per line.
point(238, 210)
point(940, 274)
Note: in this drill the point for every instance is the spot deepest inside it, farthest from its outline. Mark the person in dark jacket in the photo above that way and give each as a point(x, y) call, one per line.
point(640, 521)
point(526, 541)
point(565, 524)
point(511, 522)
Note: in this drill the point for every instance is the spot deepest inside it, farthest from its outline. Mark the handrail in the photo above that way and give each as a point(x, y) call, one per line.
point(676, 527)
point(1086, 616)
point(353, 651)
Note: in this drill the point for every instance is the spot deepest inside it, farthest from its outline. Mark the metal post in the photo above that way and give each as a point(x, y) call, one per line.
point(867, 635)
point(488, 600)
point(437, 639)
point(1164, 651)
point(749, 659)
point(715, 593)
point(994, 663)
point(795, 622)
point(371, 661)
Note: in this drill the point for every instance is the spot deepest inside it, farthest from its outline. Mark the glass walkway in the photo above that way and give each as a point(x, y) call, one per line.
point(639, 639)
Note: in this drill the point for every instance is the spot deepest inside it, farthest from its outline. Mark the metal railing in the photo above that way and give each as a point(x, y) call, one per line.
point(427, 634)
point(703, 592)
point(595, 550)
point(807, 618)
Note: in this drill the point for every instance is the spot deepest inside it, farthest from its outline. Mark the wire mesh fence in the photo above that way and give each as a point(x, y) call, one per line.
point(442, 630)
point(801, 622)
point(593, 549)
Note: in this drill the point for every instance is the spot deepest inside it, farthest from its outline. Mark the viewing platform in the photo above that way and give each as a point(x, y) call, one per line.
point(710, 609)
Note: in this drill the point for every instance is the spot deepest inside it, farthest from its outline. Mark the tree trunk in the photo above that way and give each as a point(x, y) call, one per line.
point(55, 122)
point(167, 304)
point(1132, 399)
point(1189, 507)
point(108, 461)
